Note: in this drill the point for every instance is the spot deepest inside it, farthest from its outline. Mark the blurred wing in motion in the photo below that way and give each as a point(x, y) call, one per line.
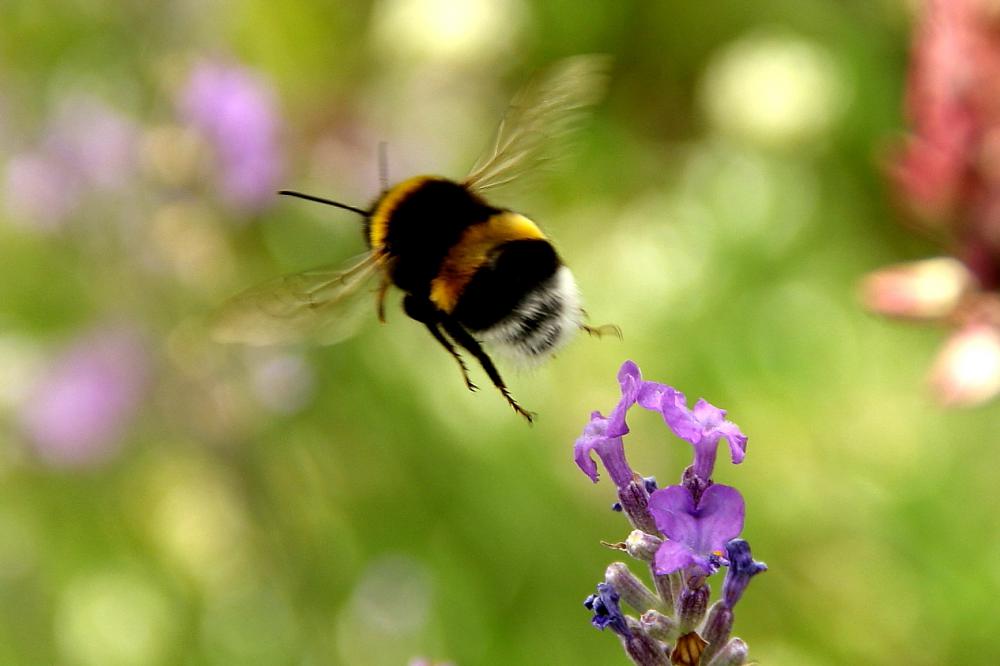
point(322, 305)
point(543, 111)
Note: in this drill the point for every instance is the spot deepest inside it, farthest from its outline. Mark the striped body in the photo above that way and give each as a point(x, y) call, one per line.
point(491, 270)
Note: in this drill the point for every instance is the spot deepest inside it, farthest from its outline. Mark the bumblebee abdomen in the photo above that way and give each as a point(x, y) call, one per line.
point(417, 222)
point(524, 301)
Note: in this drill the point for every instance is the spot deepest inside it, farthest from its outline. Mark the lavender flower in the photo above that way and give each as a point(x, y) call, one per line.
point(603, 435)
point(236, 111)
point(695, 531)
point(703, 426)
point(79, 410)
point(701, 521)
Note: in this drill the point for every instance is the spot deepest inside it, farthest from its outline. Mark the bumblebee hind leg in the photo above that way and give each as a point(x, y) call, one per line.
point(439, 336)
point(471, 345)
point(601, 331)
point(424, 313)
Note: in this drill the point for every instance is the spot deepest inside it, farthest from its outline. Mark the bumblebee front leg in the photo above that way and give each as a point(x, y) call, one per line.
point(471, 345)
point(383, 288)
point(426, 314)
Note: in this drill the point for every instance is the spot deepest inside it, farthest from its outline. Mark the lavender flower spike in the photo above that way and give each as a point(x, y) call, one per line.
point(702, 426)
point(695, 531)
point(603, 435)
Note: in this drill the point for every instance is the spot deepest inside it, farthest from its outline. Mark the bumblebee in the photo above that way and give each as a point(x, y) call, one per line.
point(472, 273)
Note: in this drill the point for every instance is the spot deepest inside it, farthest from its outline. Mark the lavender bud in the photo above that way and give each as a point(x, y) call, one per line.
point(635, 503)
point(665, 586)
point(692, 606)
point(631, 589)
point(734, 654)
point(642, 648)
point(742, 567)
point(659, 626)
point(642, 545)
point(717, 628)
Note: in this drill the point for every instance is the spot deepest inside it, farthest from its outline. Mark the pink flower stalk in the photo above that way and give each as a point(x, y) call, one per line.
point(948, 175)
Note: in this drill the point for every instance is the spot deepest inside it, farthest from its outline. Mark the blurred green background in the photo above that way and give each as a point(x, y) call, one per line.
point(166, 500)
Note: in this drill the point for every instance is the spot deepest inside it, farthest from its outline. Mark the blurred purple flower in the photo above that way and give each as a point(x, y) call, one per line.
point(603, 435)
point(235, 109)
point(87, 147)
point(702, 426)
point(79, 410)
point(696, 533)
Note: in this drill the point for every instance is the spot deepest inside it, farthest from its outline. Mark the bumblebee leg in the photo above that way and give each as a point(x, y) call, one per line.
point(383, 288)
point(439, 336)
point(427, 315)
point(470, 344)
point(601, 331)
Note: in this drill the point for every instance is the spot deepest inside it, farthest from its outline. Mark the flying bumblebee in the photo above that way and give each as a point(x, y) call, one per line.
point(471, 272)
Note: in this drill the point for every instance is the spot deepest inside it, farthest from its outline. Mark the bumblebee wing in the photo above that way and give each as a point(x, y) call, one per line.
point(322, 305)
point(544, 110)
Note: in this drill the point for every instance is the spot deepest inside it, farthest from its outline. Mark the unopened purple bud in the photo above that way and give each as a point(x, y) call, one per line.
point(742, 567)
point(650, 483)
point(734, 654)
point(717, 628)
point(632, 590)
point(659, 626)
point(642, 545)
point(617, 507)
point(642, 648)
point(691, 606)
point(607, 612)
point(635, 503)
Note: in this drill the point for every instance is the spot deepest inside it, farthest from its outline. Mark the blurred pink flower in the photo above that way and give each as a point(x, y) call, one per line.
point(87, 147)
point(79, 410)
point(235, 109)
point(948, 175)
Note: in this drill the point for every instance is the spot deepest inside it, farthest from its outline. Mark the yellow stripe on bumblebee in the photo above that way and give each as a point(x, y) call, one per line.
point(470, 253)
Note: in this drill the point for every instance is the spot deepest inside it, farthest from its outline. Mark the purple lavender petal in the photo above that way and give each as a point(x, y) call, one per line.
point(698, 530)
point(720, 516)
point(630, 381)
point(674, 512)
point(736, 439)
point(673, 556)
point(671, 404)
point(707, 414)
point(584, 445)
point(79, 410)
point(610, 450)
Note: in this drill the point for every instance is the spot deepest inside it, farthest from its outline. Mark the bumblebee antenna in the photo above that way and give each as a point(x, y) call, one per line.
point(328, 202)
point(383, 165)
